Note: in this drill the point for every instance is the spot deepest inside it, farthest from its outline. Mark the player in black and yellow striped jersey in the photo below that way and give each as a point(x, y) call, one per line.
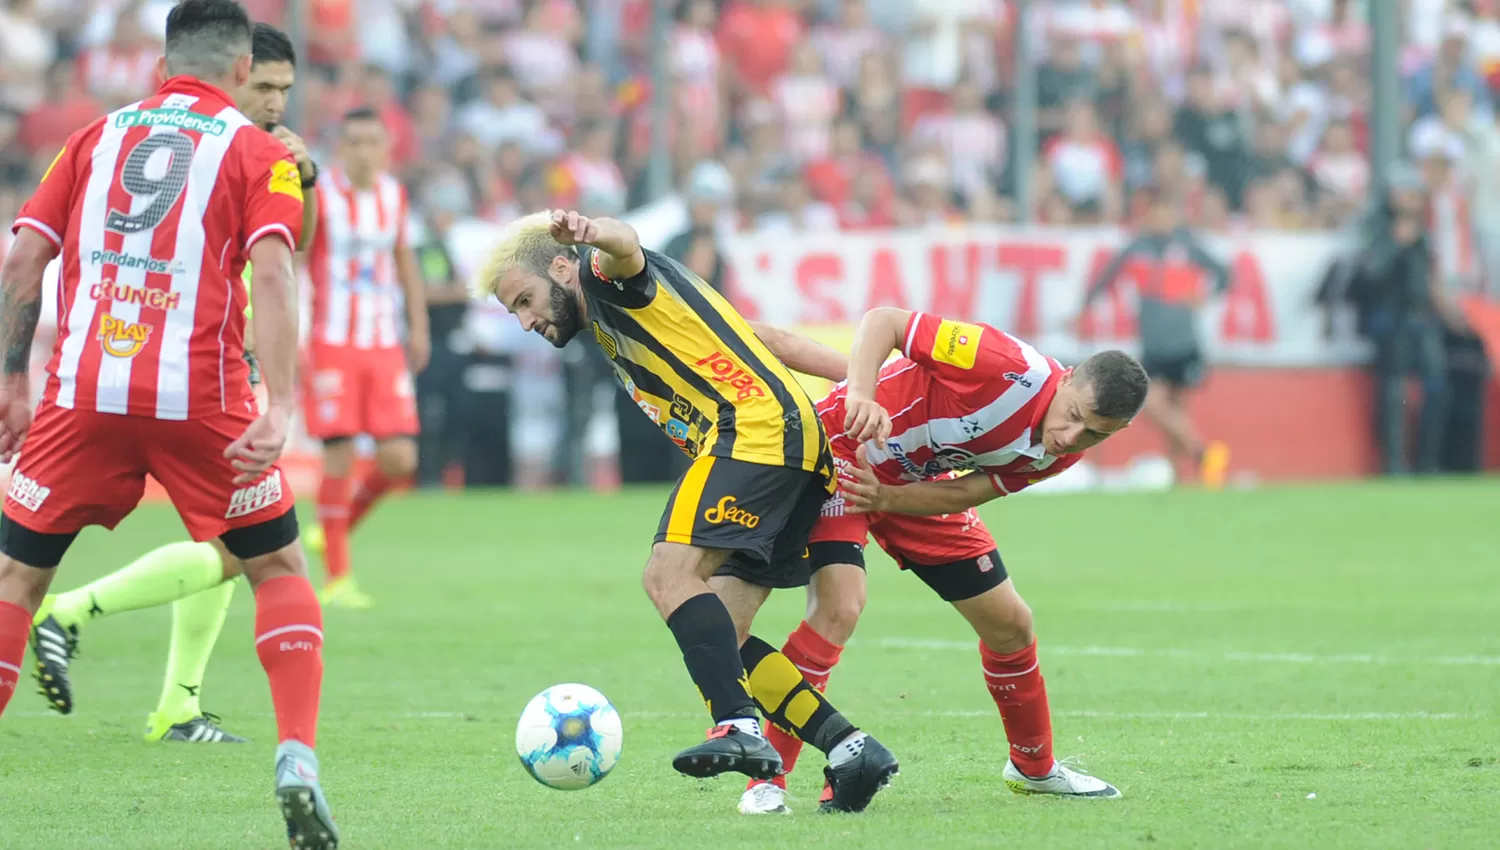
point(741, 514)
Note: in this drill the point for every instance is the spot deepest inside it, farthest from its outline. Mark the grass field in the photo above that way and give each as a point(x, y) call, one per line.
point(1221, 658)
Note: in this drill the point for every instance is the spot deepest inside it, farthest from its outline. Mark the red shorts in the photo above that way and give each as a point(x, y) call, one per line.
point(351, 391)
point(79, 468)
point(922, 540)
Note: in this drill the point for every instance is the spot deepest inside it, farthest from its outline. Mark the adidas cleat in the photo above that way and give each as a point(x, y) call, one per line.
point(855, 782)
point(54, 646)
point(203, 729)
point(309, 824)
point(1063, 781)
point(764, 798)
point(730, 749)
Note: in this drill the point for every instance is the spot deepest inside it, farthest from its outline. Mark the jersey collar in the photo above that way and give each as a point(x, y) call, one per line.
point(184, 84)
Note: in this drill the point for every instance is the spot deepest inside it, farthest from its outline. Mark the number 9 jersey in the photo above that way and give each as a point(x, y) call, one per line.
point(154, 208)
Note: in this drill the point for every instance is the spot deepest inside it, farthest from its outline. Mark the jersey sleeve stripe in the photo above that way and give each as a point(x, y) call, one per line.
point(998, 485)
point(42, 228)
point(275, 227)
point(911, 333)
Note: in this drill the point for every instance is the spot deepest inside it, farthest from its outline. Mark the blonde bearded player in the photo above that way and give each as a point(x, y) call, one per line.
point(196, 578)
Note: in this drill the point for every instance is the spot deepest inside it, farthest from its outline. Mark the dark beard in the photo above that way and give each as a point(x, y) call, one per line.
point(565, 314)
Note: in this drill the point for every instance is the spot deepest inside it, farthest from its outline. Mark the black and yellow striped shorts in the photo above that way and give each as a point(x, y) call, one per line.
point(763, 514)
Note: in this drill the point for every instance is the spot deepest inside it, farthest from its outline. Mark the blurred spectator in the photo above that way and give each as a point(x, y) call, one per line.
point(806, 102)
point(843, 44)
point(1449, 69)
point(1084, 167)
point(501, 115)
point(1062, 79)
point(63, 108)
point(757, 38)
point(1206, 126)
point(1394, 291)
point(27, 49)
point(968, 137)
point(709, 196)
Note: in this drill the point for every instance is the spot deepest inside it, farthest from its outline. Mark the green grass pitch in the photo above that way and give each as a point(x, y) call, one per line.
point(1220, 657)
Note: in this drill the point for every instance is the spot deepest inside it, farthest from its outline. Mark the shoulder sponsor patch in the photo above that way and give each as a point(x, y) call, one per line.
point(957, 344)
point(285, 179)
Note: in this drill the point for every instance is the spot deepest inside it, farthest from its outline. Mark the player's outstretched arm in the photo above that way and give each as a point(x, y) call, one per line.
point(864, 493)
point(801, 354)
point(618, 243)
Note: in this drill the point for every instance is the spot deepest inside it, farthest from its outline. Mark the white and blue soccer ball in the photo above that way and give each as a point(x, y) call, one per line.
point(569, 737)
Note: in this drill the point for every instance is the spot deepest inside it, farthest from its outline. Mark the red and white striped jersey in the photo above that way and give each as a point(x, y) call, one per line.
point(965, 397)
point(154, 208)
point(357, 295)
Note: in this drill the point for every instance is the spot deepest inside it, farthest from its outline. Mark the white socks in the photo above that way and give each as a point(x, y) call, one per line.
point(748, 725)
point(847, 750)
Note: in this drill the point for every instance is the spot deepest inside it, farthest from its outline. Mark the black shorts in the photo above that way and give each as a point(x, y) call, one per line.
point(763, 514)
point(1178, 370)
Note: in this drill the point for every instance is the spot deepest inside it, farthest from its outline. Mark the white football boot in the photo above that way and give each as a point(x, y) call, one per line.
point(764, 798)
point(1062, 781)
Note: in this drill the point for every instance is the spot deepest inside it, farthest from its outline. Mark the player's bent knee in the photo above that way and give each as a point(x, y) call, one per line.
point(233, 567)
point(836, 602)
point(396, 457)
point(338, 456)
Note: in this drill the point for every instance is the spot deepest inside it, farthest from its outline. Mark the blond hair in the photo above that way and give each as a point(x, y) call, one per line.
point(526, 243)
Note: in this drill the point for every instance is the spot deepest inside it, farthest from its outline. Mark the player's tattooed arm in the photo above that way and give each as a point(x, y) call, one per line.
point(864, 493)
point(801, 354)
point(21, 298)
point(617, 241)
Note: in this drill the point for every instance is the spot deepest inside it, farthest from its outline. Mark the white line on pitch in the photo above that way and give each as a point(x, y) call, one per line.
point(1153, 715)
point(1262, 657)
point(1080, 713)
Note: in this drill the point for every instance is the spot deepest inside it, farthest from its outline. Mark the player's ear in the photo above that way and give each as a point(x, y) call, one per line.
point(161, 68)
point(242, 70)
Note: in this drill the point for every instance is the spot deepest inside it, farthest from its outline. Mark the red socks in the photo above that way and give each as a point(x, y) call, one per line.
point(15, 628)
point(1015, 683)
point(289, 641)
point(333, 514)
point(368, 493)
point(815, 657)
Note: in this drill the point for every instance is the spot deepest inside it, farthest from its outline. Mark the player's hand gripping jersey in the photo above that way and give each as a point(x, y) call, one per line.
point(693, 365)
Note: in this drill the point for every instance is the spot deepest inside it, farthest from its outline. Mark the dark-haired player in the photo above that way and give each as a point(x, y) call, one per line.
point(963, 398)
point(195, 578)
point(360, 355)
point(155, 209)
point(737, 522)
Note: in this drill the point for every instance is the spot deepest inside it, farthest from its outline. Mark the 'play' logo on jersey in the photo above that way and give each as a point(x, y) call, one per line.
point(258, 496)
point(726, 371)
point(120, 338)
point(27, 493)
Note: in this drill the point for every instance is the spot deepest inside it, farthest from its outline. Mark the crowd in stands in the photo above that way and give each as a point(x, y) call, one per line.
point(830, 114)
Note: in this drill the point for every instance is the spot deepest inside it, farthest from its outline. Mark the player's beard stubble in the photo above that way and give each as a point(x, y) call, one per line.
point(566, 322)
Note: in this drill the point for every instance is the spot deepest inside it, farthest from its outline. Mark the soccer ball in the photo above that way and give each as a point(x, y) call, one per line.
point(569, 737)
